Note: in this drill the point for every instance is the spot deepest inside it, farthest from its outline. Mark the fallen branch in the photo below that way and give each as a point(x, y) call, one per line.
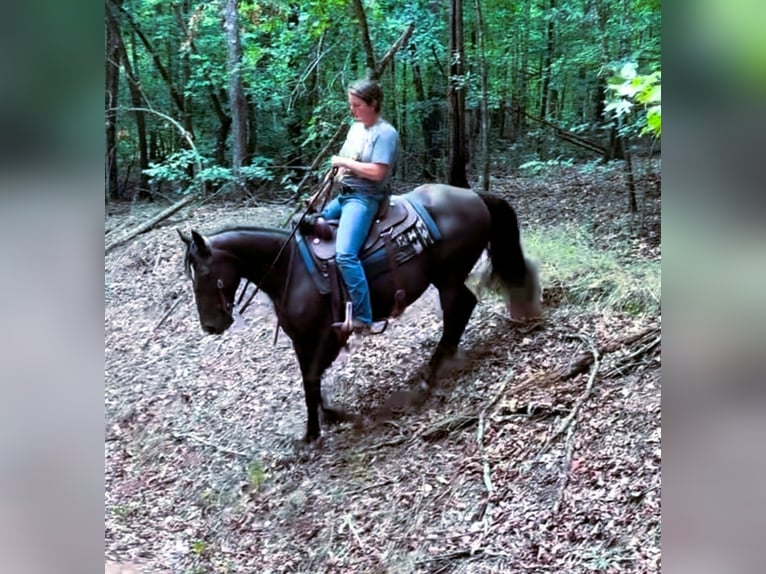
point(568, 424)
point(393, 49)
point(487, 412)
point(625, 362)
point(169, 312)
point(583, 362)
point(195, 438)
point(146, 226)
point(454, 555)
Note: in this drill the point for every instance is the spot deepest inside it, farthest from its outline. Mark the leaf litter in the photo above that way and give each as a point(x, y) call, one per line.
point(539, 451)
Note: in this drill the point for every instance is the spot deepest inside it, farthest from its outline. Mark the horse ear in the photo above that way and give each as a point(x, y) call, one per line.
point(184, 237)
point(201, 242)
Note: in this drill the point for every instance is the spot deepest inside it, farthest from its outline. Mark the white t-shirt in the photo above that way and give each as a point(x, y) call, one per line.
point(377, 144)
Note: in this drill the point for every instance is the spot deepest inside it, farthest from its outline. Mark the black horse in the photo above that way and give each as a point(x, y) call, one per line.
point(468, 224)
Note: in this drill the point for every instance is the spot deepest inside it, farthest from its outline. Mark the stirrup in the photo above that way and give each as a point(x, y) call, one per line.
point(347, 325)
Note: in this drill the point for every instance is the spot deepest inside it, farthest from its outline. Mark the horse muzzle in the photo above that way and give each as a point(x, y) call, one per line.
point(218, 326)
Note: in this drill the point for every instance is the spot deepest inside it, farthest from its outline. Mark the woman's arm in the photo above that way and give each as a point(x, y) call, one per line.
point(367, 170)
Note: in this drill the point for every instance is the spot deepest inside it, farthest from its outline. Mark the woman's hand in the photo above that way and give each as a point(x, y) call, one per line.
point(367, 170)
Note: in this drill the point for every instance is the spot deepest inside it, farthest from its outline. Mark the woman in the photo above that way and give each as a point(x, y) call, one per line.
point(365, 164)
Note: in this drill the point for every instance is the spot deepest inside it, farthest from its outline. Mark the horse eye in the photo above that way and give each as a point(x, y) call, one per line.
point(220, 283)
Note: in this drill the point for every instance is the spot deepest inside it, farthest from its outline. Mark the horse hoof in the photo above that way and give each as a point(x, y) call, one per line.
point(305, 448)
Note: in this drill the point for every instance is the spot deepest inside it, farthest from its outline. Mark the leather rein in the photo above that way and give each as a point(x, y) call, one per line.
point(323, 192)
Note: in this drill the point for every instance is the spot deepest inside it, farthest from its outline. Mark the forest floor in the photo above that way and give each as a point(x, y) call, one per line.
point(541, 452)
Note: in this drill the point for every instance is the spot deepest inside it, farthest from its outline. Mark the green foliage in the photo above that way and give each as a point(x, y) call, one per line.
point(299, 57)
point(626, 88)
point(596, 276)
point(177, 167)
point(536, 167)
point(256, 475)
point(199, 547)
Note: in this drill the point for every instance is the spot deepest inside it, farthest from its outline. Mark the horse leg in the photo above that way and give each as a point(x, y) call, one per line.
point(457, 304)
point(312, 389)
point(314, 361)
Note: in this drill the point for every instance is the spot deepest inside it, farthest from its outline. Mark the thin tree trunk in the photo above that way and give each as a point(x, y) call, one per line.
point(366, 42)
point(458, 156)
point(484, 135)
point(137, 100)
point(428, 172)
point(175, 95)
point(521, 97)
point(547, 61)
point(224, 119)
point(237, 101)
point(112, 99)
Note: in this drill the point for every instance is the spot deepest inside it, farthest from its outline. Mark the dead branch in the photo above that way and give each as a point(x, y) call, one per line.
point(583, 397)
point(339, 133)
point(569, 424)
point(146, 226)
point(628, 361)
point(488, 510)
point(448, 425)
point(393, 49)
point(195, 438)
point(583, 362)
point(169, 312)
point(454, 555)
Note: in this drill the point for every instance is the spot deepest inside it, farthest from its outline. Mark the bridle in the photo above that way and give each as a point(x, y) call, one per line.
point(225, 305)
point(321, 194)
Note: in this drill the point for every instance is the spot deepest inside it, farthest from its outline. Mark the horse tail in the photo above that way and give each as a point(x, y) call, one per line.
point(513, 273)
point(505, 253)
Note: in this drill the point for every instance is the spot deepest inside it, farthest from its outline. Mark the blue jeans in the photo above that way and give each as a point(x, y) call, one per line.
point(356, 213)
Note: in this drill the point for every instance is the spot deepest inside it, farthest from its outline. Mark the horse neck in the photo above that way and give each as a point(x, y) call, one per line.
point(255, 252)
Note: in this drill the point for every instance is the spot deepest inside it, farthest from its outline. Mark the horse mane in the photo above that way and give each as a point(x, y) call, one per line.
point(247, 228)
point(236, 228)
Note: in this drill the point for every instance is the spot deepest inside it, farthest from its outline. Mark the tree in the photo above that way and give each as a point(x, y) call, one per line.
point(112, 98)
point(237, 102)
point(458, 155)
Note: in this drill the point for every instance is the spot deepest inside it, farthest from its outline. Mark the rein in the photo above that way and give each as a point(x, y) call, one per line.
point(225, 305)
point(326, 185)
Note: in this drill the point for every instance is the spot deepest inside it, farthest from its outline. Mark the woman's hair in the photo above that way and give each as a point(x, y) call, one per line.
point(368, 91)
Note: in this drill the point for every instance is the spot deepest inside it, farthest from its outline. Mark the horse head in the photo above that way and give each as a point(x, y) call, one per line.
point(215, 280)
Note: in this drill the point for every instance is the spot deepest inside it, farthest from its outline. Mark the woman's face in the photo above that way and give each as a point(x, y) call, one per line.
point(362, 111)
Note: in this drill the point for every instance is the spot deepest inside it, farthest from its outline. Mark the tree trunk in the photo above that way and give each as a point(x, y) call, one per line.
point(237, 101)
point(547, 61)
point(366, 42)
point(112, 99)
point(137, 100)
point(458, 156)
point(175, 95)
point(521, 88)
point(224, 120)
point(428, 172)
point(484, 133)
